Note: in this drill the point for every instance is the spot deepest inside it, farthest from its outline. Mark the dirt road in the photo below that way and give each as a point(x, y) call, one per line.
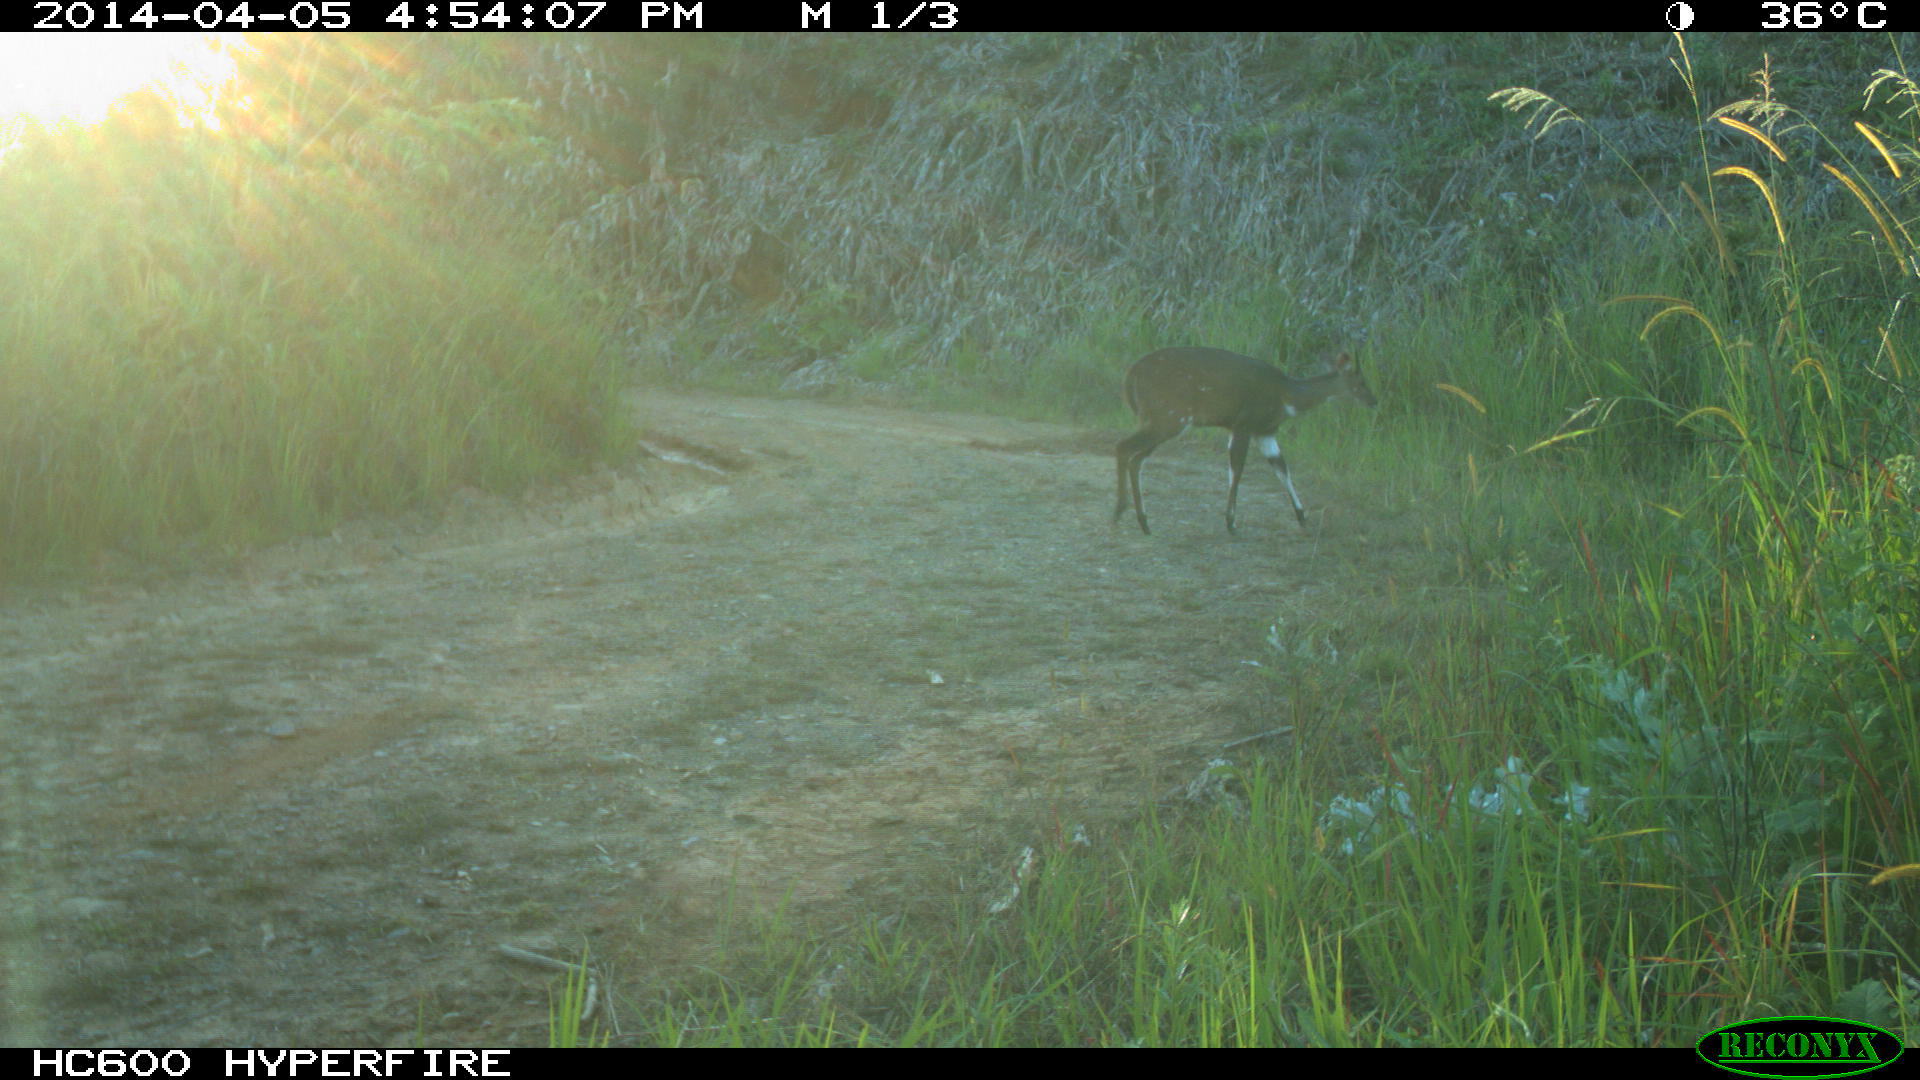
point(846, 654)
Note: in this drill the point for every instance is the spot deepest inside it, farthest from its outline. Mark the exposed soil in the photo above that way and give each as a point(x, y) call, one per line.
point(840, 655)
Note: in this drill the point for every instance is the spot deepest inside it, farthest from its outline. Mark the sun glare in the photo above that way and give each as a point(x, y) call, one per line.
point(63, 80)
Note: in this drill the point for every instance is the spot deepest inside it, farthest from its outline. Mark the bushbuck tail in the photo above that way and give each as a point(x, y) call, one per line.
point(1174, 389)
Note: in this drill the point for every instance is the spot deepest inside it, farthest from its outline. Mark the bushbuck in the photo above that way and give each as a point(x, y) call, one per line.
point(1174, 389)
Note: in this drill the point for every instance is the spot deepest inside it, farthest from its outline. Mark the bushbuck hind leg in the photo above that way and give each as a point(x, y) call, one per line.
point(1139, 506)
point(1236, 468)
point(1128, 457)
point(1270, 449)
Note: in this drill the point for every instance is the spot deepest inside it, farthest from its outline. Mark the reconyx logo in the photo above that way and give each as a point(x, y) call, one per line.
point(1799, 1047)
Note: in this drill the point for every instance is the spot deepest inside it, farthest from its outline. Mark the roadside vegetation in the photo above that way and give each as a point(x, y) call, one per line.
point(1635, 760)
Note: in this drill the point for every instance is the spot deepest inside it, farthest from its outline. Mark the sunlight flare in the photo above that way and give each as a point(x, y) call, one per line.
point(65, 80)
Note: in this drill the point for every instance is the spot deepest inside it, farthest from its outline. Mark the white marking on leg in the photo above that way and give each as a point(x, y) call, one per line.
point(1270, 449)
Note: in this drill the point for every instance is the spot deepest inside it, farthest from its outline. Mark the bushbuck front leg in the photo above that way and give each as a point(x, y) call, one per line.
point(1270, 448)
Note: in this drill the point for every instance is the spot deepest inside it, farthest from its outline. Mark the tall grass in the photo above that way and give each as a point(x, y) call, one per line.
point(204, 343)
point(1758, 649)
point(1736, 677)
